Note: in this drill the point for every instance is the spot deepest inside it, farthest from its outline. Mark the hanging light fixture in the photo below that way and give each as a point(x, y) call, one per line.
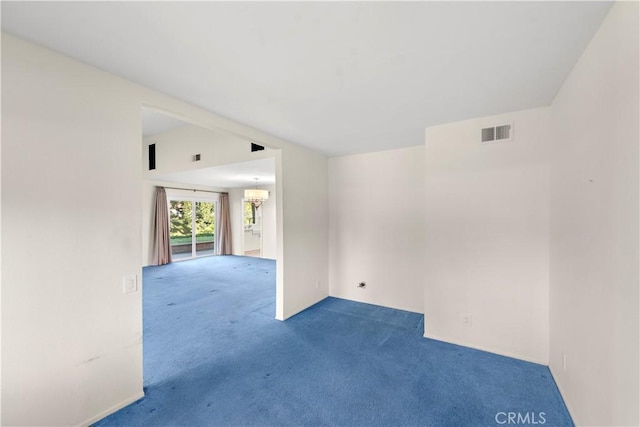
point(256, 197)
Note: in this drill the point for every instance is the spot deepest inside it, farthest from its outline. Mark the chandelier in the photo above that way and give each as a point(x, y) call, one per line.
point(255, 196)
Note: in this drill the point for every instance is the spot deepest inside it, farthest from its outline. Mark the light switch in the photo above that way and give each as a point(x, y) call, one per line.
point(129, 284)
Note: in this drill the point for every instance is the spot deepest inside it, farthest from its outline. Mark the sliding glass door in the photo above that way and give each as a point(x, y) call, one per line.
point(181, 232)
point(192, 228)
point(205, 226)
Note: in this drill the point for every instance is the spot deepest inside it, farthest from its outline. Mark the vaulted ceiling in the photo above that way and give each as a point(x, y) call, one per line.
point(338, 77)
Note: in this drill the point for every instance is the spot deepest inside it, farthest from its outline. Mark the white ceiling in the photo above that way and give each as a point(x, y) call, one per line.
point(154, 123)
point(339, 77)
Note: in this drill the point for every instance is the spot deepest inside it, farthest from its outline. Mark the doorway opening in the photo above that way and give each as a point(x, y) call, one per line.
point(252, 238)
point(206, 172)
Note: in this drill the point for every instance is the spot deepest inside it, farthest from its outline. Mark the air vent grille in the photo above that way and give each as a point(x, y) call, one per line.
point(503, 132)
point(497, 133)
point(152, 156)
point(488, 134)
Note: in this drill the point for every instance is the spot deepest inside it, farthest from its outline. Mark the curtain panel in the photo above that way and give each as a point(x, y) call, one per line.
point(161, 238)
point(223, 226)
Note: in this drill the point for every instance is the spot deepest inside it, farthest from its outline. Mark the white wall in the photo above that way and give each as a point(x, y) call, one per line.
point(301, 187)
point(176, 147)
point(72, 210)
point(376, 211)
point(269, 224)
point(71, 340)
point(487, 236)
point(594, 228)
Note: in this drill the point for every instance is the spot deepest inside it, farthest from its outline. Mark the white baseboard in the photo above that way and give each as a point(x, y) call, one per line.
point(111, 410)
point(489, 350)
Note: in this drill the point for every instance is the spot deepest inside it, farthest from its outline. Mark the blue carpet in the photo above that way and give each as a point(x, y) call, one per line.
point(215, 356)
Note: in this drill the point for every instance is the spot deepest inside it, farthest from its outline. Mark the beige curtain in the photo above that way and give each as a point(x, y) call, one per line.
point(223, 226)
point(161, 239)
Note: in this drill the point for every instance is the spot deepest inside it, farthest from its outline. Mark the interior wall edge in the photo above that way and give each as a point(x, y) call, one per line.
point(562, 394)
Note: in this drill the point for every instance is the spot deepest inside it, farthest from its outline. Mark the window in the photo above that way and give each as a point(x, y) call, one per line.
point(249, 214)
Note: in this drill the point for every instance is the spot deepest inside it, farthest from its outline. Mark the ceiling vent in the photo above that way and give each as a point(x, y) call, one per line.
point(497, 133)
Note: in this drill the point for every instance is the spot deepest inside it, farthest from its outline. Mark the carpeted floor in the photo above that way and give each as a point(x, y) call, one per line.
point(215, 356)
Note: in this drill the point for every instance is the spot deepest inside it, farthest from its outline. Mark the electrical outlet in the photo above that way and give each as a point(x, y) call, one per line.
point(317, 284)
point(564, 362)
point(466, 320)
